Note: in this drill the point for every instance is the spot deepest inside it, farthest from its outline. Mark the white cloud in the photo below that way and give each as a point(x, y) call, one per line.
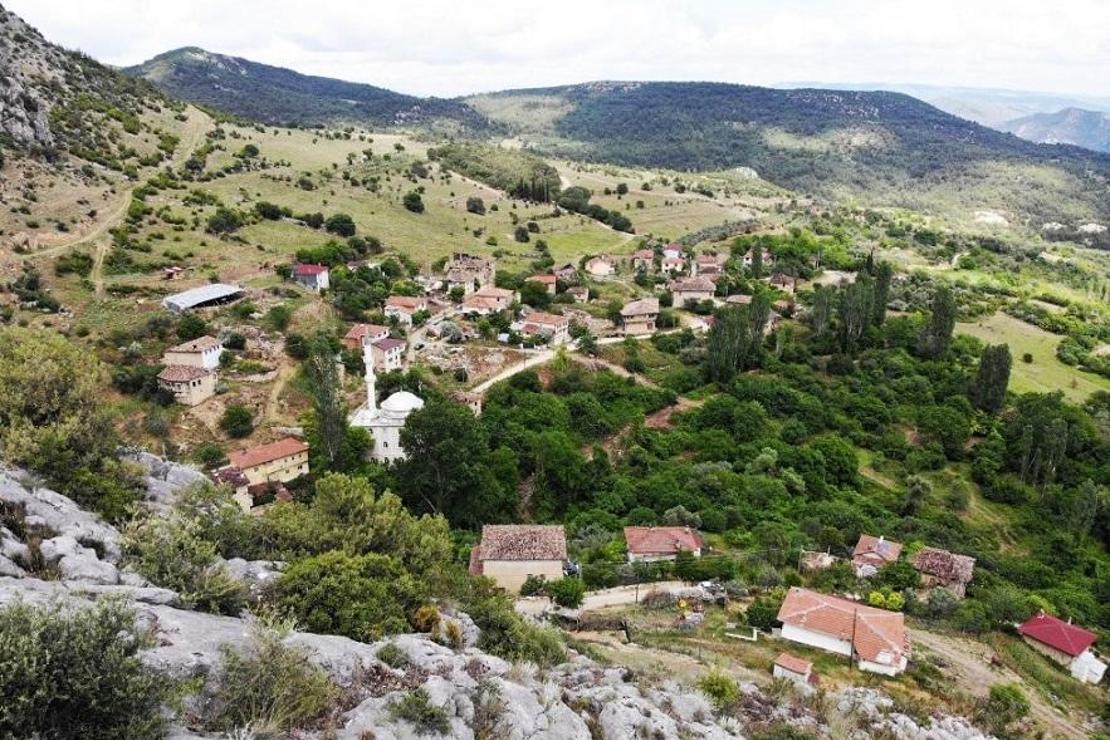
point(446, 47)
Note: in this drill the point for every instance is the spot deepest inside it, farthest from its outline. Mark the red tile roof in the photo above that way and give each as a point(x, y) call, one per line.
point(877, 551)
point(545, 279)
point(661, 540)
point(182, 373)
point(408, 303)
point(877, 635)
point(643, 254)
point(519, 542)
point(794, 664)
point(389, 343)
point(263, 454)
point(309, 270)
point(357, 333)
point(1056, 633)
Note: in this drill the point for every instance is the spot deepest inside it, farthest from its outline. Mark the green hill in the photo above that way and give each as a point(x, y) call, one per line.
point(280, 96)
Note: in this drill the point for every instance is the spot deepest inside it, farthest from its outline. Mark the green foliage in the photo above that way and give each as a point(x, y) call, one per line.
point(992, 378)
point(763, 613)
point(1005, 705)
point(416, 707)
point(190, 327)
point(392, 656)
point(267, 685)
point(77, 673)
point(340, 224)
point(567, 592)
point(519, 173)
point(937, 334)
point(224, 221)
point(413, 202)
point(237, 421)
point(721, 688)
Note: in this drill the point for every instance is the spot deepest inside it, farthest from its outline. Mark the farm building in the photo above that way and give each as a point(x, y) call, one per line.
point(510, 553)
point(643, 259)
point(647, 544)
point(213, 294)
point(1067, 644)
point(875, 638)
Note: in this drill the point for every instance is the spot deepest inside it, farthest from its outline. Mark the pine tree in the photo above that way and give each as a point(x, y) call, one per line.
point(329, 408)
point(992, 378)
point(757, 261)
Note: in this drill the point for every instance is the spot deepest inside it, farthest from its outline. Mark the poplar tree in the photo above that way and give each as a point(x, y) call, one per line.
point(884, 274)
point(937, 335)
point(992, 378)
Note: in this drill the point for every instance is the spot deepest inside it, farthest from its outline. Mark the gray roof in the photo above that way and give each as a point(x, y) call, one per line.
point(199, 296)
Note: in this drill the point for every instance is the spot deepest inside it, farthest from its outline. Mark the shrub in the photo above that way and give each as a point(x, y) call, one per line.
point(567, 592)
point(720, 688)
point(763, 613)
point(76, 673)
point(417, 708)
point(237, 421)
point(393, 656)
point(533, 585)
point(1005, 705)
point(413, 202)
point(267, 685)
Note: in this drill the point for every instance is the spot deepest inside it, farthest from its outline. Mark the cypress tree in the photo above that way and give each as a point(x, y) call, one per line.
point(992, 378)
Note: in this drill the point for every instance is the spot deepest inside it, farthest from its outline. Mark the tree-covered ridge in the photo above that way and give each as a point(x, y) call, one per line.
point(520, 174)
point(279, 96)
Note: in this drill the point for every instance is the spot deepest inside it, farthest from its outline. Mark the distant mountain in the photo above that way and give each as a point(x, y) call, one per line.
point(990, 107)
point(1086, 128)
point(887, 146)
point(277, 96)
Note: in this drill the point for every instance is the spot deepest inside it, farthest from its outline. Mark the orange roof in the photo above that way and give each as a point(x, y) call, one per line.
point(661, 540)
point(877, 551)
point(358, 332)
point(263, 454)
point(794, 664)
point(406, 302)
point(877, 635)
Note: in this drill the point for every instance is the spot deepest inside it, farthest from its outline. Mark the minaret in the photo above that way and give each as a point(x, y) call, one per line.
point(371, 393)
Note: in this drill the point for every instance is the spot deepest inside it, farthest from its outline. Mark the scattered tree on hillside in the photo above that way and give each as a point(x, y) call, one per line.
point(413, 202)
point(340, 224)
point(237, 421)
point(992, 378)
point(476, 205)
point(937, 334)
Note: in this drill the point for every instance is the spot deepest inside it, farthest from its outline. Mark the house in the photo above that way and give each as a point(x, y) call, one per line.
point(489, 299)
point(739, 300)
point(695, 289)
point(547, 281)
point(643, 259)
point(313, 277)
point(943, 569)
point(189, 385)
point(404, 308)
point(672, 250)
point(875, 638)
point(472, 401)
point(251, 496)
point(469, 272)
point(281, 461)
point(661, 543)
point(794, 669)
point(708, 265)
point(600, 266)
point(510, 553)
point(872, 553)
point(785, 283)
point(386, 422)
point(673, 265)
point(234, 479)
point(554, 328)
point(568, 273)
point(638, 317)
point(579, 293)
point(203, 352)
point(360, 335)
point(388, 354)
point(748, 259)
point(1065, 643)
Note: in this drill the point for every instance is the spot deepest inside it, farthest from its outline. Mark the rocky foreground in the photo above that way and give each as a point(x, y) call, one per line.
point(482, 695)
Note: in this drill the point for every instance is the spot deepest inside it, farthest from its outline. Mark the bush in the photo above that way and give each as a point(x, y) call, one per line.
point(393, 656)
point(267, 685)
point(67, 673)
point(720, 688)
point(237, 421)
point(413, 202)
point(763, 614)
point(417, 708)
point(533, 585)
point(567, 592)
point(1005, 705)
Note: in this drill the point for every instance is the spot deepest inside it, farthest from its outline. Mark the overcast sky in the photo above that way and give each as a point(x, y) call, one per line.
point(450, 47)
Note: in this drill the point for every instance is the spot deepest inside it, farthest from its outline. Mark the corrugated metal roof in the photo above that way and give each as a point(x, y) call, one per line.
point(198, 296)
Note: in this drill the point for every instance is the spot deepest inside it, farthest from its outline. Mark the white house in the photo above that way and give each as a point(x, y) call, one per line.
point(203, 352)
point(403, 307)
point(313, 277)
point(875, 638)
point(793, 669)
point(1069, 645)
point(388, 354)
point(385, 423)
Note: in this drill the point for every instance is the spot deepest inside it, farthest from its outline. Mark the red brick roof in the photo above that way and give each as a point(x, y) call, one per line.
point(693, 284)
point(877, 635)
point(182, 373)
point(545, 279)
point(358, 332)
point(661, 540)
point(876, 551)
point(794, 664)
point(520, 542)
point(408, 303)
point(389, 343)
point(309, 270)
point(1058, 634)
point(256, 456)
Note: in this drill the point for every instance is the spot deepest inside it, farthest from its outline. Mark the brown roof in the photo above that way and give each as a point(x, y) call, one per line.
point(740, 299)
point(522, 542)
point(877, 635)
point(694, 283)
point(545, 279)
point(359, 331)
point(541, 318)
point(642, 307)
point(643, 254)
point(490, 291)
point(200, 344)
point(661, 540)
point(182, 373)
point(389, 343)
point(794, 664)
point(945, 565)
point(256, 456)
point(230, 475)
point(409, 303)
point(482, 301)
point(877, 551)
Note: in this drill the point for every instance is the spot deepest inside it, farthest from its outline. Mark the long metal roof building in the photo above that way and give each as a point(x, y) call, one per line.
point(205, 295)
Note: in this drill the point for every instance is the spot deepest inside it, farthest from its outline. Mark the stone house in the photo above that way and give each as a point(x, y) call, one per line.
point(189, 385)
point(470, 272)
point(646, 544)
point(695, 289)
point(943, 569)
point(510, 553)
point(638, 317)
point(203, 352)
point(643, 259)
point(388, 354)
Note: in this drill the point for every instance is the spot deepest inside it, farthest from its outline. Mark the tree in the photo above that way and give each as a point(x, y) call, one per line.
point(476, 205)
point(937, 334)
point(763, 613)
point(447, 469)
point(992, 378)
point(521, 234)
point(821, 314)
point(884, 274)
point(237, 421)
point(757, 261)
point(856, 313)
point(622, 188)
point(917, 490)
point(340, 224)
point(79, 673)
point(413, 202)
point(567, 592)
point(190, 327)
point(729, 340)
point(1005, 705)
point(329, 409)
point(224, 221)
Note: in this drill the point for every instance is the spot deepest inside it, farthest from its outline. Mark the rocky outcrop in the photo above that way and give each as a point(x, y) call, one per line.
point(164, 478)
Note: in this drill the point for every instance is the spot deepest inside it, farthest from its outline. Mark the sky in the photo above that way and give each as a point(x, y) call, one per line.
point(448, 47)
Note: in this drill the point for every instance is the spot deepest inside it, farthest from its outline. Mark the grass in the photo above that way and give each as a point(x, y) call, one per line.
point(1046, 373)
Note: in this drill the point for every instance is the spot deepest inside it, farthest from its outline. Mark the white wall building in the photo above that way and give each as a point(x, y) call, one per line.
point(384, 423)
